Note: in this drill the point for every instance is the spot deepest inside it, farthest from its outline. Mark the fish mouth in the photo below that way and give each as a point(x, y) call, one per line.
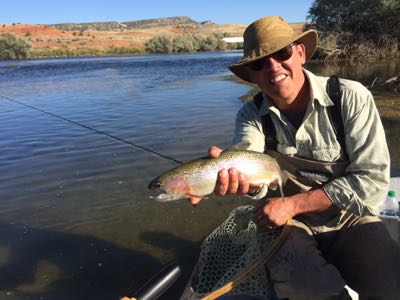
point(164, 197)
point(161, 195)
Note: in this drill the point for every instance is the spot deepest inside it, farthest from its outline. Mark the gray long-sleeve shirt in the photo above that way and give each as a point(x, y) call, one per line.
point(366, 181)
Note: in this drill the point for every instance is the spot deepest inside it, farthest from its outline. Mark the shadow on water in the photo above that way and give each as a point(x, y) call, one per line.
point(67, 266)
point(185, 251)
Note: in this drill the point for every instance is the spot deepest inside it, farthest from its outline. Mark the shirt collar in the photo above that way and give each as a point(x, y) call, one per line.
point(267, 106)
point(318, 89)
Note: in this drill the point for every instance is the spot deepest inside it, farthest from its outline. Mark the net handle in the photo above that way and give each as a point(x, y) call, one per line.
point(262, 261)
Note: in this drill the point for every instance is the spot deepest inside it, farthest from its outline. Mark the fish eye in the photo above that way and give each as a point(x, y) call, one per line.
point(158, 185)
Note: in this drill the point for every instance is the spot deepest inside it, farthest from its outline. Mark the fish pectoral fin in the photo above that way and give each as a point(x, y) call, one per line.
point(191, 194)
point(273, 185)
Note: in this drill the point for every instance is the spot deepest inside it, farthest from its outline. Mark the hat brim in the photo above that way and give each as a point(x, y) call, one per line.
point(309, 38)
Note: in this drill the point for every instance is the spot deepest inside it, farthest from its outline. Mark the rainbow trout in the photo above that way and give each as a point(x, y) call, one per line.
point(197, 178)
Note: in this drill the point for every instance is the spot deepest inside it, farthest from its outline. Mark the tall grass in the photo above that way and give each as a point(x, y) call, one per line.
point(83, 51)
point(337, 47)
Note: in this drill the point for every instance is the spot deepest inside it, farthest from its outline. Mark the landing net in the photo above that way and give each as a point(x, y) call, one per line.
point(229, 252)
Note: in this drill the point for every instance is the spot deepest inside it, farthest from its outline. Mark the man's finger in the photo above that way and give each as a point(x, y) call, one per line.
point(222, 183)
point(233, 181)
point(214, 151)
point(243, 185)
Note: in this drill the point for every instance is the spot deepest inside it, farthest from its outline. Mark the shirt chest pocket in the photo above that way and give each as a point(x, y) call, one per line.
point(330, 154)
point(319, 142)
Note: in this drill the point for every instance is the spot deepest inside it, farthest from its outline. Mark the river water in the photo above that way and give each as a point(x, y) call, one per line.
point(76, 221)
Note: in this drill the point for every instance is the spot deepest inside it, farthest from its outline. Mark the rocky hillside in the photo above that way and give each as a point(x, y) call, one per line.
point(130, 25)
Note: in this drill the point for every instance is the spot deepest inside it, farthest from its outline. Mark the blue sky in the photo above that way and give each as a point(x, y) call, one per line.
point(79, 11)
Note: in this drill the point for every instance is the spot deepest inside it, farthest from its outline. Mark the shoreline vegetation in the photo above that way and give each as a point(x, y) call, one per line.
point(357, 31)
point(166, 35)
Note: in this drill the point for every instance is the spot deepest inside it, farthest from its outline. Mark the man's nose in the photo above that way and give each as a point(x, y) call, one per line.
point(272, 64)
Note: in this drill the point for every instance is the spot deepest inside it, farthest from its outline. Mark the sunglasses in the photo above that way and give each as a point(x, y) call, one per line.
point(280, 55)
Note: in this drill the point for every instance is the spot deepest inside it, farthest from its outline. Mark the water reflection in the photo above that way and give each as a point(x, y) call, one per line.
point(365, 73)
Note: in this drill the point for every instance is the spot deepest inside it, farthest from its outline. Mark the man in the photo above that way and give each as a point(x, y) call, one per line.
point(336, 238)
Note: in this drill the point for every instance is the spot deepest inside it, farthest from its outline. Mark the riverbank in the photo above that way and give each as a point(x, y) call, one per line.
point(48, 41)
point(111, 38)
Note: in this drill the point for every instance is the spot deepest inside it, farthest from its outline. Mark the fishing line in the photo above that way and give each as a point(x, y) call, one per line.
point(160, 155)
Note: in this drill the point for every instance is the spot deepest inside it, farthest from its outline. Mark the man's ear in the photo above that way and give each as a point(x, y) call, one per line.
point(301, 49)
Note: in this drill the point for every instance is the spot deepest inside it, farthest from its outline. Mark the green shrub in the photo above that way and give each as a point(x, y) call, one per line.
point(213, 43)
point(186, 43)
point(159, 44)
point(12, 47)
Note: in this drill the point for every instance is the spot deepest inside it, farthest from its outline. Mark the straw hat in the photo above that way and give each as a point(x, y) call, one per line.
point(268, 35)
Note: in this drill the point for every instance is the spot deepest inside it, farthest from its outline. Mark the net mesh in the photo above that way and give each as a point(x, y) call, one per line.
point(229, 251)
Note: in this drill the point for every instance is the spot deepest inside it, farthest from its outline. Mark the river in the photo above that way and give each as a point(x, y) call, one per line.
point(76, 221)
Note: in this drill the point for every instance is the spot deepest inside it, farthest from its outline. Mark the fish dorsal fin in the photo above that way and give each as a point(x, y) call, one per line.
point(243, 145)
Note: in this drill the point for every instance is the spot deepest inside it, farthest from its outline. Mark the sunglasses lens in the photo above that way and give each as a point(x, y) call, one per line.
point(280, 55)
point(258, 64)
point(283, 54)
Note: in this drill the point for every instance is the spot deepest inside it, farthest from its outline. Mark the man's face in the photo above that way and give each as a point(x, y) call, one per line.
point(281, 79)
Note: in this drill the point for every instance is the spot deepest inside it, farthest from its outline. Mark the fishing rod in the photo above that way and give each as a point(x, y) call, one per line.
point(158, 154)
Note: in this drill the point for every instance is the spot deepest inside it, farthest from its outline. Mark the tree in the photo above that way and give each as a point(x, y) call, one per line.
point(12, 47)
point(367, 19)
point(356, 29)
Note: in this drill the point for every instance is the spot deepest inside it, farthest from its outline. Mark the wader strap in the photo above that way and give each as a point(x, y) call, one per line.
point(335, 111)
point(268, 126)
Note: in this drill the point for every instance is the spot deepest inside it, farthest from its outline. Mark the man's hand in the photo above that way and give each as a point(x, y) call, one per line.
point(276, 212)
point(229, 182)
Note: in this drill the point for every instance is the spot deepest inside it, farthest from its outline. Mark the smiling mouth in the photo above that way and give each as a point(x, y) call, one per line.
point(278, 78)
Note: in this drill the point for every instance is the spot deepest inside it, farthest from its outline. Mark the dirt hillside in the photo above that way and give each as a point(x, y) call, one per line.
point(106, 35)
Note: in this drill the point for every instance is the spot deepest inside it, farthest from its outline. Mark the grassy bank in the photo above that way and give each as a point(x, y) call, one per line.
point(79, 52)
